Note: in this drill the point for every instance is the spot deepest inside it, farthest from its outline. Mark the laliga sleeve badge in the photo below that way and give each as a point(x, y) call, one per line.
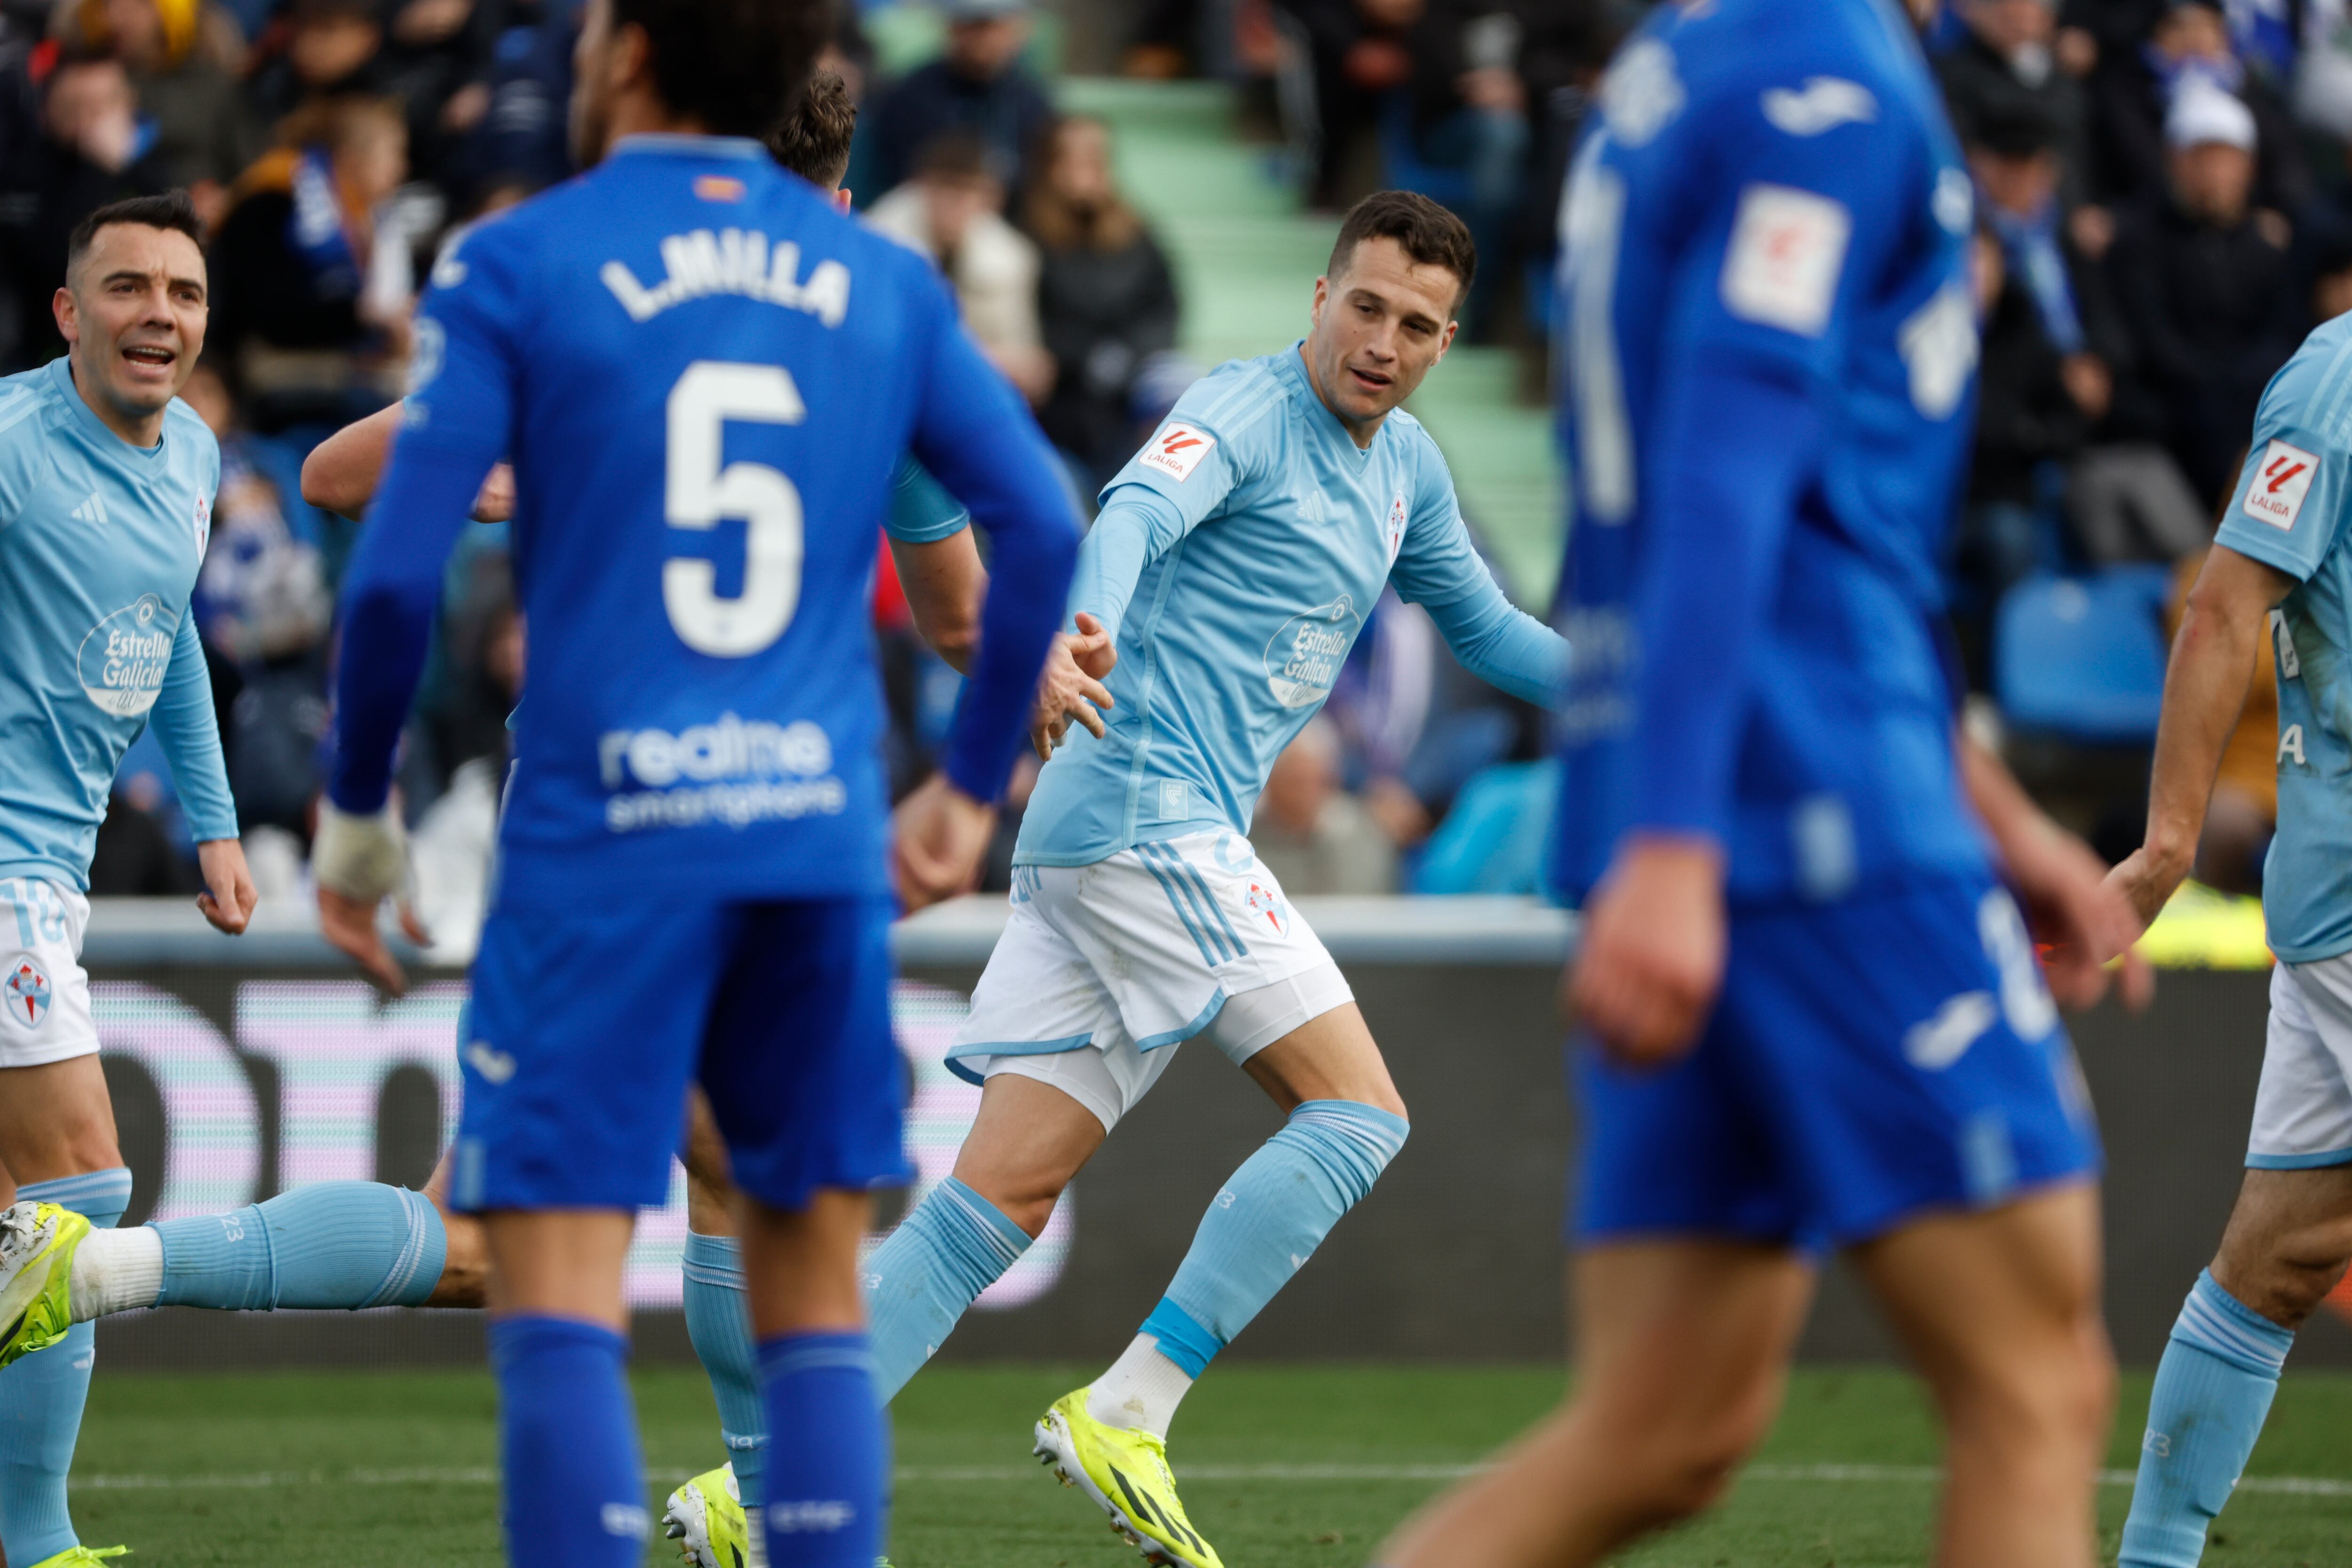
point(1177, 450)
point(2280, 483)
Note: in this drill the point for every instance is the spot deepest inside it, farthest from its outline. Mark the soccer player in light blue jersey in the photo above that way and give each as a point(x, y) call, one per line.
point(1228, 573)
point(2281, 567)
point(105, 489)
point(1810, 1013)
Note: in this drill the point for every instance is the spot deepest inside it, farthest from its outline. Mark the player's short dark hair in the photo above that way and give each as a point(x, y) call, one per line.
point(729, 63)
point(813, 140)
point(171, 210)
point(1430, 235)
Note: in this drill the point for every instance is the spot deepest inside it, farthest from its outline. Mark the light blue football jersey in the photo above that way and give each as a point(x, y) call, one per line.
point(1265, 536)
point(100, 543)
point(2289, 511)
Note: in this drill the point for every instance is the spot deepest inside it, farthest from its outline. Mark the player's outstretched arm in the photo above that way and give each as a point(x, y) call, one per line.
point(2204, 690)
point(945, 585)
point(342, 471)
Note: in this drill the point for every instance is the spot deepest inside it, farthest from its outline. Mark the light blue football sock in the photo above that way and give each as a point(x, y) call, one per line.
point(1267, 1220)
point(2213, 1388)
point(575, 1488)
point(954, 1245)
point(41, 1396)
point(332, 1244)
point(831, 1459)
point(719, 1322)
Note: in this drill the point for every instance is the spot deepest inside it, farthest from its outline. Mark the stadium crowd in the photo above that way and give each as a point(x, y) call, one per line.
point(2161, 199)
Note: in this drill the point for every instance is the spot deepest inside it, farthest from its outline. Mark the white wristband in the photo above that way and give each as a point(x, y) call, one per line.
point(363, 857)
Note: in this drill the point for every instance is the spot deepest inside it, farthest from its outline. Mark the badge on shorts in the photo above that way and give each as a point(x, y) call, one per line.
point(26, 992)
point(1263, 900)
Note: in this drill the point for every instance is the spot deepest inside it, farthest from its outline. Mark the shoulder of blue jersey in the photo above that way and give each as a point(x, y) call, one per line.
point(1804, 68)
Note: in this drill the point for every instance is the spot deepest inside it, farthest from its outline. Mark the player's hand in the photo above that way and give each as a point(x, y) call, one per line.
point(495, 501)
point(1650, 959)
point(1072, 686)
point(2081, 914)
point(358, 862)
point(940, 835)
point(228, 896)
point(2145, 884)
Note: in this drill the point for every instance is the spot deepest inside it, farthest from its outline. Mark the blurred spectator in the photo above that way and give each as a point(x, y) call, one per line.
point(1469, 114)
point(296, 313)
point(2206, 285)
point(2322, 85)
point(1106, 300)
point(979, 88)
point(183, 57)
point(135, 856)
point(1313, 836)
point(953, 212)
point(1358, 50)
point(2244, 807)
point(2133, 93)
point(330, 47)
point(521, 142)
point(91, 149)
point(2005, 69)
point(437, 61)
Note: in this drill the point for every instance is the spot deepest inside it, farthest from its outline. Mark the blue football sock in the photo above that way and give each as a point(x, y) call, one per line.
point(828, 1452)
point(41, 1396)
point(954, 1245)
point(568, 1441)
point(1270, 1217)
point(2213, 1388)
point(332, 1243)
point(718, 1322)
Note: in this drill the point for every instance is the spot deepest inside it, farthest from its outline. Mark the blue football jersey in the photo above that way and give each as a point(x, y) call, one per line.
point(706, 379)
point(1769, 185)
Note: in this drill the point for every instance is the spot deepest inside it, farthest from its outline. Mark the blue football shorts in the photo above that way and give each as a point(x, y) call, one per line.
point(587, 1026)
point(1867, 1062)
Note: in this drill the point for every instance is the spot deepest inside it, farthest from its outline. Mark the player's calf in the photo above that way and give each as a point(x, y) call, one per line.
point(2288, 1241)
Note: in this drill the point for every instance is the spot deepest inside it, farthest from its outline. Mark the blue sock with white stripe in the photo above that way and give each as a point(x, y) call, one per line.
point(1267, 1220)
point(41, 1396)
point(719, 1322)
point(2213, 1388)
point(575, 1488)
point(828, 1454)
point(332, 1243)
point(954, 1245)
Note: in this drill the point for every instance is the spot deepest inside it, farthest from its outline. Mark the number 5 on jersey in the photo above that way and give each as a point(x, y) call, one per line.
point(699, 492)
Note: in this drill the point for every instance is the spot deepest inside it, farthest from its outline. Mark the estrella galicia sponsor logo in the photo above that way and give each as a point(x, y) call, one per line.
point(1304, 656)
point(734, 771)
point(123, 657)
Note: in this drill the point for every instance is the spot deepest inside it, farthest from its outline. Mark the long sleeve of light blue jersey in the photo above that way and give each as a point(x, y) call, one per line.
point(1504, 646)
point(1712, 565)
point(978, 438)
point(188, 729)
point(1130, 534)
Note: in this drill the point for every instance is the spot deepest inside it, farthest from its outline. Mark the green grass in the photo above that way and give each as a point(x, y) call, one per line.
point(292, 1471)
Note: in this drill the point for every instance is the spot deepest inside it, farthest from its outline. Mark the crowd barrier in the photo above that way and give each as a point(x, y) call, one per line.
point(242, 1067)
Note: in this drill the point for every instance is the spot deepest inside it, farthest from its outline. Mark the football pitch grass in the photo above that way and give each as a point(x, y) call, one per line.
point(1282, 1466)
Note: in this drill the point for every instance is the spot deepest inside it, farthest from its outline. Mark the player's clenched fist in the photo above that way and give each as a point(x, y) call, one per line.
point(1650, 958)
point(1072, 687)
point(941, 834)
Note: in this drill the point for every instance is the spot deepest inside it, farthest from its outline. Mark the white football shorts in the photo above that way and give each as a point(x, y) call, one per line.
point(1103, 969)
point(42, 989)
point(2303, 1111)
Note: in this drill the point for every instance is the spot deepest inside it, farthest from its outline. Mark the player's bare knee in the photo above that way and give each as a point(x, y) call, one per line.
point(2288, 1281)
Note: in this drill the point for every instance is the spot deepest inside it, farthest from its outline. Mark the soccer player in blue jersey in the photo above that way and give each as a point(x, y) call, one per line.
point(704, 377)
point(2280, 567)
point(1229, 572)
point(1810, 1013)
point(106, 489)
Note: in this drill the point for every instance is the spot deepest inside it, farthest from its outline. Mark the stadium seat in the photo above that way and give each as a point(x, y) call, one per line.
point(2082, 657)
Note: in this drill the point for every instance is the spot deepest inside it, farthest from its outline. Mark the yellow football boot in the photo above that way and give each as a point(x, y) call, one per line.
point(706, 1518)
point(1126, 1473)
point(81, 1557)
point(37, 1242)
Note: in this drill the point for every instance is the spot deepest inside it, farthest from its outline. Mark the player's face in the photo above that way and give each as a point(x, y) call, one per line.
point(134, 313)
point(1379, 327)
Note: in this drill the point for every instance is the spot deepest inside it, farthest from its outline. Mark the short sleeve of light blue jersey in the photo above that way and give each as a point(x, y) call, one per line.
point(1785, 219)
point(922, 510)
point(2288, 508)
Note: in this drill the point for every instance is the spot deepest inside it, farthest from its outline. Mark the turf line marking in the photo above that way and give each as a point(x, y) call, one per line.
point(484, 1476)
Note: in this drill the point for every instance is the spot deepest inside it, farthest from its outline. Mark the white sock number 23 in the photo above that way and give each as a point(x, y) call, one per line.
point(699, 492)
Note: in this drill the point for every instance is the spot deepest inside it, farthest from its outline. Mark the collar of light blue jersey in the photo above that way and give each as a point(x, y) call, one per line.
point(1294, 366)
point(677, 144)
point(139, 459)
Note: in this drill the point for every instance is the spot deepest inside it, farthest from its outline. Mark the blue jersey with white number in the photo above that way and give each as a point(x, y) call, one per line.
point(705, 378)
point(1770, 191)
point(2289, 512)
